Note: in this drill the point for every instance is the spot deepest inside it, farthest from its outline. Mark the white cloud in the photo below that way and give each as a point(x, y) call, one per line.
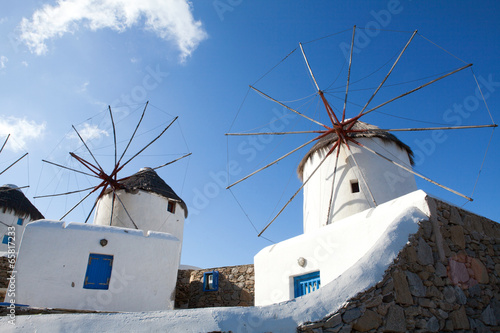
point(3, 62)
point(170, 20)
point(89, 132)
point(83, 87)
point(21, 131)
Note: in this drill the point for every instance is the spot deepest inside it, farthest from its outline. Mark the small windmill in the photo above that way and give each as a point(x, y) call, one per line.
point(343, 134)
point(108, 181)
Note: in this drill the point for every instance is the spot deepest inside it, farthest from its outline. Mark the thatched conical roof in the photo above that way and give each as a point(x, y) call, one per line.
point(359, 125)
point(14, 200)
point(148, 180)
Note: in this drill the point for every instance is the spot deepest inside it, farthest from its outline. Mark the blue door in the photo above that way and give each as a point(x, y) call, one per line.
point(98, 271)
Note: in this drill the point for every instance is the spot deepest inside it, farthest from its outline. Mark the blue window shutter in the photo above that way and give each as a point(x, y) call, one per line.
point(211, 281)
point(216, 280)
point(5, 239)
point(98, 273)
point(305, 284)
point(20, 221)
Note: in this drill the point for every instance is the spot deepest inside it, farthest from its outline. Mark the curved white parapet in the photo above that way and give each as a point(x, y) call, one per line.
point(54, 257)
point(367, 270)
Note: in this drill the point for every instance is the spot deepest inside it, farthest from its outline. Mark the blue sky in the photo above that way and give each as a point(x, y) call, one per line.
point(63, 62)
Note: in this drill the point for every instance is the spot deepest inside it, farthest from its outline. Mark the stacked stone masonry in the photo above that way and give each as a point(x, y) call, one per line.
point(236, 288)
point(446, 279)
point(5, 272)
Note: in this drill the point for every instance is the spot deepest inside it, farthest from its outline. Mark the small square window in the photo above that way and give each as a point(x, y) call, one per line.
point(20, 221)
point(171, 207)
point(98, 272)
point(211, 281)
point(5, 239)
point(354, 186)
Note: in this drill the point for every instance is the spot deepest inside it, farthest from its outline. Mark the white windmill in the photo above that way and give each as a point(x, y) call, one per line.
point(353, 167)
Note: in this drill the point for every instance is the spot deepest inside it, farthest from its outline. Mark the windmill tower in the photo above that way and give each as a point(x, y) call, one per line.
point(145, 202)
point(15, 212)
point(107, 265)
point(360, 180)
point(353, 167)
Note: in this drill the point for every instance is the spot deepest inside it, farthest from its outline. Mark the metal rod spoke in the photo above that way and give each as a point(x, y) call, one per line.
point(272, 163)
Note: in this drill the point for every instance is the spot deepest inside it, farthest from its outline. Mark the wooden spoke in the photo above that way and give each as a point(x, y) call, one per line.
point(309, 67)
point(177, 159)
point(7, 139)
point(20, 158)
point(65, 193)
point(88, 149)
point(125, 209)
point(432, 128)
point(348, 74)
point(415, 173)
point(149, 144)
point(287, 107)
point(273, 133)
point(114, 131)
point(79, 202)
point(274, 162)
point(361, 172)
point(133, 134)
point(295, 194)
point(418, 88)
point(64, 167)
point(389, 73)
point(333, 185)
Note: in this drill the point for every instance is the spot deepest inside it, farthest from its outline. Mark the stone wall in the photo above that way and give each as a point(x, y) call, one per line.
point(5, 272)
point(236, 288)
point(446, 279)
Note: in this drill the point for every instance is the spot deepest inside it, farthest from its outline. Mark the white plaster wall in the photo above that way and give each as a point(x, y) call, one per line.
point(148, 210)
point(10, 220)
point(332, 249)
point(277, 318)
point(53, 258)
point(386, 182)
